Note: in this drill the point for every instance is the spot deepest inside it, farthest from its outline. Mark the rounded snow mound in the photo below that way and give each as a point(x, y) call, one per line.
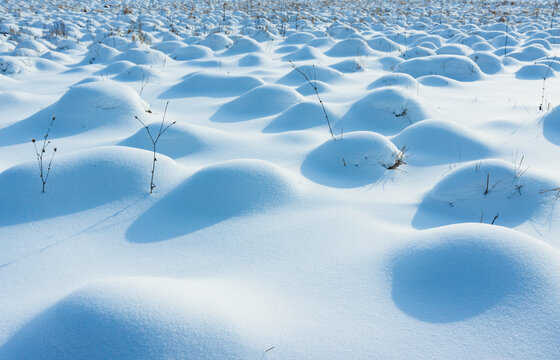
point(399, 80)
point(167, 47)
point(534, 72)
point(389, 63)
point(254, 60)
point(312, 72)
point(440, 142)
point(212, 85)
point(418, 52)
point(350, 47)
point(81, 181)
point(144, 318)
point(191, 52)
point(301, 116)
point(309, 88)
point(384, 45)
point(301, 37)
point(216, 42)
point(244, 46)
point(488, 190)
point(143, 73)
point(321, 42)
point(143, 57)
point(114, 68)
point(349, 66)
point(100, 54)
point(459, 68)
point(551, 125)
point(459, 272)
point(212, 195)
point(286, 49)
point(385, 110)
point(305, 53)
point(488, 63)
point(357, 159)
point(454, 49)
point(178, 140)
point(106, 105)
point(529, 53)
point(436, 81)
point(261, 101)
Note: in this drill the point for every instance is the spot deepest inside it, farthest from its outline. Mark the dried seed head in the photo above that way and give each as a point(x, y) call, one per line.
point(33, 140)
point(54, 149)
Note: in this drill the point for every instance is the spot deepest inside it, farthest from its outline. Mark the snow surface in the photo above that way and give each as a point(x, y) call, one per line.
point(419, 221)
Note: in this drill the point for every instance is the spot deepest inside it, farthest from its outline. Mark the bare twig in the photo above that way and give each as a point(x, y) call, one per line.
point(44, 174)
point(155, 140)
point(487, 183)
point(314, 86)
point(541, 106)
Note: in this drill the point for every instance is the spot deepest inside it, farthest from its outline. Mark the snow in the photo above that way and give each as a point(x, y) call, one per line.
point(419, 221)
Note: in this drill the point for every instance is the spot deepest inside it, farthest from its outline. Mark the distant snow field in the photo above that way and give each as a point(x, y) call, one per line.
point(279, 180)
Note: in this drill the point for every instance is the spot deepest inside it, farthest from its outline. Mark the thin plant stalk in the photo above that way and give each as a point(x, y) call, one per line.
point(154, 141)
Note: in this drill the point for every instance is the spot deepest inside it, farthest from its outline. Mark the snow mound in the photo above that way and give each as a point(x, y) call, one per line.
point(255, 60)
point(258, 102)
point(399, 80)
point(321, 42)
point(551, 125)
point(300, 37)
point(503, 40)
point(456, 67)
point(313, 72)
point(350, 47)
point(349, 66)
point(357, 159)
point(488, 63)
point(482, 46)
point(459, 272)
point(12, 65)
point(212, 85)
point(309, 89)
point(534, 72)
point(305, 53)
point(487, 189)
point(179, 140)
point(139, 73)
point(436, 81)
point(454, 49)
point(384, 45)
point(244, 46)
point(106, 105)
point(287, 49)
point(191, 52)
point(529, 53)
point(216, 42)
point(35, 46)
point(81, 181)
point(143, 57)
point(385, 110)
point(440, 142)
point(418, 52)
point(167, 47)
point(389, 63)
point(114, 68)
point(212, 195)
point(100, 54)
point(304, 115)
point(143, 318)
